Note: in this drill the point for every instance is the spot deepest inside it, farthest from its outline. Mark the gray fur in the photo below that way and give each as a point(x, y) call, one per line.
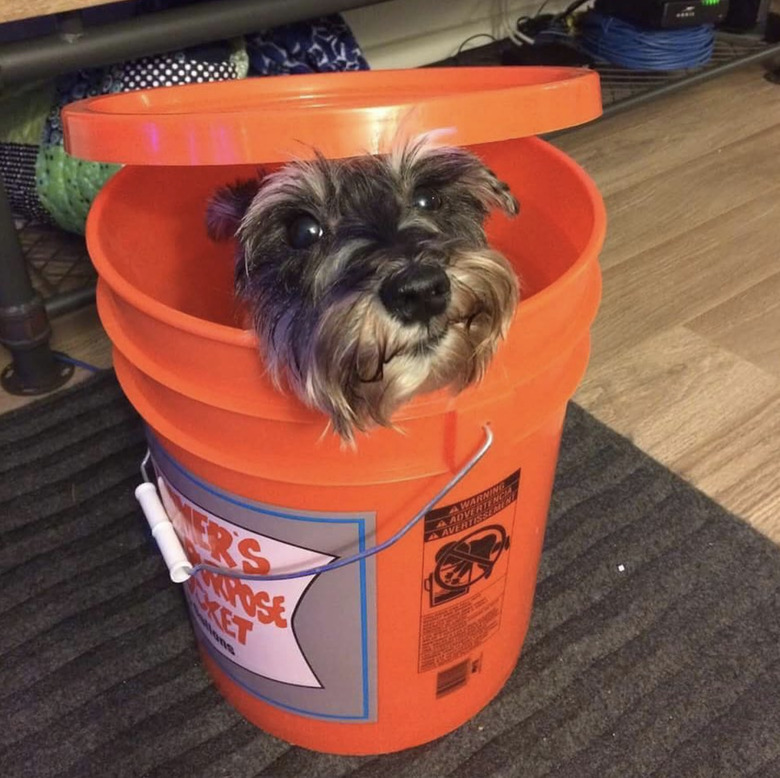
point(323, 330)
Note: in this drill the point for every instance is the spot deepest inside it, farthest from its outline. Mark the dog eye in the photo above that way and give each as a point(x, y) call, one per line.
point(303, 231)
point(426, 199)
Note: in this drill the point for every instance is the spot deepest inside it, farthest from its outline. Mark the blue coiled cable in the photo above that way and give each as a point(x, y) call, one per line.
point(637, 48)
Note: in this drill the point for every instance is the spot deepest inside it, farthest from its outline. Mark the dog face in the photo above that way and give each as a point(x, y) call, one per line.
point(369, 279)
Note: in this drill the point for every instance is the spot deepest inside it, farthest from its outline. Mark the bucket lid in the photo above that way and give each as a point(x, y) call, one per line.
point(273, 119)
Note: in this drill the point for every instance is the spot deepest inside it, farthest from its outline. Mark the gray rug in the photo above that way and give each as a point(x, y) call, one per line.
point(654, 648)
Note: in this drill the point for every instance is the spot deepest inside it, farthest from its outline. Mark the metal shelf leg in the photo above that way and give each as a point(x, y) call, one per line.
point(24, 325)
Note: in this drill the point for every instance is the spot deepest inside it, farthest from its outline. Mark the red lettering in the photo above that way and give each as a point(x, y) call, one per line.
point(217, 583)
point(226, 619)
point(254, 563)
point(198, 531)
point(177, 501)
point(220, 540)
point(198, 526)
point(257, 605)
point(192, 553)
point(270, 614)
point(244, 626)
point(182, 521)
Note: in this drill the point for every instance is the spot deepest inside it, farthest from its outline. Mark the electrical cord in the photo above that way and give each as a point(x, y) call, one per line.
point(76, 362)
point(541, 7)
point(637, 48)
point(571, 8)
point(533, 29)
point(471, 38)
point(512, 25)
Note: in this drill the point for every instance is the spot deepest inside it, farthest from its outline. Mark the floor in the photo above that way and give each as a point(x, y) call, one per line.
point(686, 349)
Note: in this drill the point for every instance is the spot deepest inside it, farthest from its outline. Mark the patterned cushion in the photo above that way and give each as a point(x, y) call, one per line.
point(66, 186)
point(318, 46)
point(43, 181)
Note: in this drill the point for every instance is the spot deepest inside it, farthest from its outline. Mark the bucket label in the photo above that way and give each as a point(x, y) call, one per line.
point(465, 560)
point(307, 644)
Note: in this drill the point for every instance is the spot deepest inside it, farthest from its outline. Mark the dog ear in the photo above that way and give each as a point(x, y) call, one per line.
point(227, 207)
point(493, 192)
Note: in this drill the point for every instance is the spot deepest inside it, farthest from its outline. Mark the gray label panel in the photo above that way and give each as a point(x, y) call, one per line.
point(307, 645)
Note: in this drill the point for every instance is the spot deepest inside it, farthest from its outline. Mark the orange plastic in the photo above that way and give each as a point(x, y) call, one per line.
point(275, 119)
point(165, 299)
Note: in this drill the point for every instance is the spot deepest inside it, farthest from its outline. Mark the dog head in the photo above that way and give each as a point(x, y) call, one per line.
point(370, 279)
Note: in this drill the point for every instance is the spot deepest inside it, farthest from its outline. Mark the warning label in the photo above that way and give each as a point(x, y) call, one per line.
point(452, 519)
point(464, 574)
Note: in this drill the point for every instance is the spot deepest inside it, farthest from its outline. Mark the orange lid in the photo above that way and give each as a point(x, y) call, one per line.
point(274, 119)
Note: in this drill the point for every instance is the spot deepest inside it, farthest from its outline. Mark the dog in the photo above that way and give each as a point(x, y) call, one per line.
point(369, 279)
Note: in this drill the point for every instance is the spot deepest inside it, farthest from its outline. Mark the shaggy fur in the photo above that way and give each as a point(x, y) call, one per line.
point(370, 279)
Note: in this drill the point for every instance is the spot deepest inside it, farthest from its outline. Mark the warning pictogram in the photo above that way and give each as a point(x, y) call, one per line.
point(463, 562)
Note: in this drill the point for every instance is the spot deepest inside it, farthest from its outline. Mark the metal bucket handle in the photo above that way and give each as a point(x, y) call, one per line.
point(181, 569)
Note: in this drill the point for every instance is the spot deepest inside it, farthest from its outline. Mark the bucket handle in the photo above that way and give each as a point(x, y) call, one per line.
point(181, 569)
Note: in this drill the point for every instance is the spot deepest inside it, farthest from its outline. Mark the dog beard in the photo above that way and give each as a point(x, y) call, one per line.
point(369, 280)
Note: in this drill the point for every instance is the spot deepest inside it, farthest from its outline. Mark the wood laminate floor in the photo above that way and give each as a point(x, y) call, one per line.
point(686, 348)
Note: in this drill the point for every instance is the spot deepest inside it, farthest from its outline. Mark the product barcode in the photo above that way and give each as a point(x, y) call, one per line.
point(452, 678)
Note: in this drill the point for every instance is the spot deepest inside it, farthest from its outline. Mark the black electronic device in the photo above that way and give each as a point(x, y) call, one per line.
point(665, 14)
point(746, 15)
point(555, 53)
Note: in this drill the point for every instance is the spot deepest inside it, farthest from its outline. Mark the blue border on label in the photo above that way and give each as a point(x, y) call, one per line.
point(361, 526)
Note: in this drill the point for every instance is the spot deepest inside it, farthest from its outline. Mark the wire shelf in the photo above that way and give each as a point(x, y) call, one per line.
point(622, 87)
point(619, 85)
point(57, 261)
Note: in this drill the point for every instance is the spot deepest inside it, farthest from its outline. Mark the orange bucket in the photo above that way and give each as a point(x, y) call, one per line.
point(400, 647)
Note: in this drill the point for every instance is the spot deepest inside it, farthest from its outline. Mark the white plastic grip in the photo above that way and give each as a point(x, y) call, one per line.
point(179, 566)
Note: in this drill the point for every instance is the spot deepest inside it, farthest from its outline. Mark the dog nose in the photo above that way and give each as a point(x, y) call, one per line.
point(416, 294)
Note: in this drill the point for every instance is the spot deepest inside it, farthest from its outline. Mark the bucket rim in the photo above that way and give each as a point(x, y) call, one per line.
point(246, 338)
point(256, 121)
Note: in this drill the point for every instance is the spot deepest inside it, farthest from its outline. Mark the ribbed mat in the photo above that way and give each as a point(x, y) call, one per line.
point(653, 650)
